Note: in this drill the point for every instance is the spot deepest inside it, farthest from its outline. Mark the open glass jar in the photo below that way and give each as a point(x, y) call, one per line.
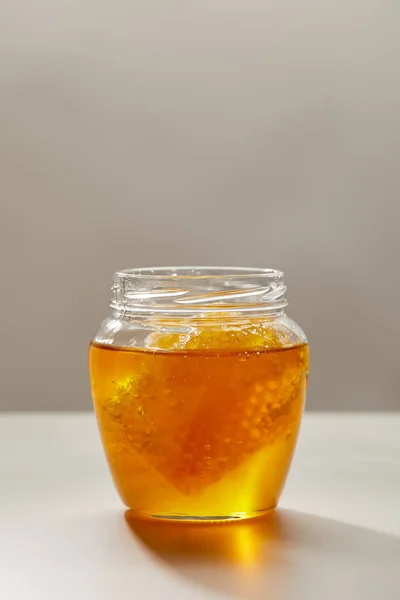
point(198, 381)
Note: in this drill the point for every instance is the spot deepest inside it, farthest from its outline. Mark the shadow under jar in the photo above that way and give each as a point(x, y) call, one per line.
point(198, 381)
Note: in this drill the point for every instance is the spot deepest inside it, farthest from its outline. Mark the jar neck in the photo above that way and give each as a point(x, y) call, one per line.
point(198, 292)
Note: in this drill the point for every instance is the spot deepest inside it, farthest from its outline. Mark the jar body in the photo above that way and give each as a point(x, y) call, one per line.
point(199, 417)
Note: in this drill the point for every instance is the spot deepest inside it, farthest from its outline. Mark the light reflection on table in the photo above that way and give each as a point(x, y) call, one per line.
point(271, 556)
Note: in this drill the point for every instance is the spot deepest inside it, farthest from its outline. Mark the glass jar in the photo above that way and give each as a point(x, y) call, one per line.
point(198, 380)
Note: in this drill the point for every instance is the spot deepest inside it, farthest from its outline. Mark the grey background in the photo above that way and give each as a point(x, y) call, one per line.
point(226, 132)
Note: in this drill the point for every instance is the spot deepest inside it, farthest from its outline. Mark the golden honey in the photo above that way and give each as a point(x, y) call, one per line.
point(204, 426)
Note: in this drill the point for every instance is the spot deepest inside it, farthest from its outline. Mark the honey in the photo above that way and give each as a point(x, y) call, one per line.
point(201, 425)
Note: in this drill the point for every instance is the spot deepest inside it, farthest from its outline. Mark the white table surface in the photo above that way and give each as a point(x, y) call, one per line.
point(63, 534)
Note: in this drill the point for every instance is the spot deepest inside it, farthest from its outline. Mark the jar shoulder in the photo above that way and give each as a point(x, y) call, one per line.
point(156, 334)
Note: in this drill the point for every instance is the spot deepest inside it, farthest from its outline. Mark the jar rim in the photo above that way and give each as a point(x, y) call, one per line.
point(201, 272)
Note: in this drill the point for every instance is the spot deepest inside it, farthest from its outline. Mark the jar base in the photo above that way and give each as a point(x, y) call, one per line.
point(179, 518)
